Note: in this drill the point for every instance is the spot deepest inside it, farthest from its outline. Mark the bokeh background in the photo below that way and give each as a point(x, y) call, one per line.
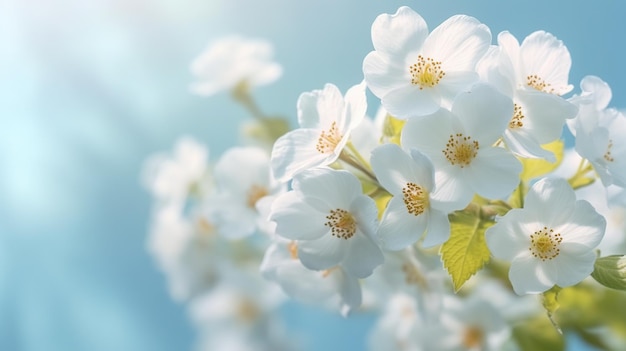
point(89, 89)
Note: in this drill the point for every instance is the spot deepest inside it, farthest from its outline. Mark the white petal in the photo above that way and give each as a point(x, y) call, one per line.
point(510, 50)
point(408, 101)
point(544, 114)
point(509, 237)
point(452, 191)
point(394, 168)
point(520, 142)
point(546, 56)
point(295, 219)
point(438, 230)
point(459, 43)
point(528, 275)
point(330, 106)
point(429, 134)
point(337, 188)
point(241, 167)
point(396, 34)
point(398, 228)
point(350, 291)
point(303, 284)
point(323, 253)
point(484, 111)
point(455, 82)
point(382, 75)
point(573, 269)
point(494, 173)
point(600, 89)
point(295, 152)
point(363, 256)
point(585, 227)
point(355, 105)
point(551, 201)
point(308, 116)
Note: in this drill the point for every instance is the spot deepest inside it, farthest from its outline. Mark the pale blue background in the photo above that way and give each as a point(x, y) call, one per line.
point(89, 89)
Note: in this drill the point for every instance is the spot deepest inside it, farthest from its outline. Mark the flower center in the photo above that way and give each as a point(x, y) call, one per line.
point(518, 116)
point(293, 250)
point(461, 150)
point(544, 244)
point(473, 337)
point(426, 72)
point(247, 310)
point(412, 276)
point(329, 139)
point(415, 198)
point(255, 193)
point(534, 81)
point(341, 223)
point(607, 155)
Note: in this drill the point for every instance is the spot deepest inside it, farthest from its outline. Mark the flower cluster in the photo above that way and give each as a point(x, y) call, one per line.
point(460, 184)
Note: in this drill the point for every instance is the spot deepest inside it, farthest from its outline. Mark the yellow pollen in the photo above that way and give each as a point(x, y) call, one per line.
point(255, 193)
point(426, 72)
point(293, 250)
point(412, 275)
point(518, 116)
point(607, 155)
point(329, 139)
point(341, 223)
point(544, 244)
point(534, 81)
point(461, 150)
point(247, 311)
point(415, 198)
point(473, 338)
point(327, 272)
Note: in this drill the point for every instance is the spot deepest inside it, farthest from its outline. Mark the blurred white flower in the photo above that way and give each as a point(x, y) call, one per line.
point(550, 241)
point(326, 119)
point(243, 180)
point(411, 212)
point(400, 327)
point(469, 324)
point(330, 287)
point(332, 221)
point(234, 61)
point(414, 72)
point(600, 132)
point(533, 74)
point(460, 145)
point(172, 178)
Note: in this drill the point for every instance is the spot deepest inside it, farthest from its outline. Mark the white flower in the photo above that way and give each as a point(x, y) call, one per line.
point(411, 211)
point(172, 178)
point(533, 74)
point(550, 241)
point(400, 327)
point(330, 286)
point(243, 179)
point(600, 132)
point(332, 221)
point(326, 119)
point(460, 145)
point(414, 72)
point(233, 61)
point(468, 324)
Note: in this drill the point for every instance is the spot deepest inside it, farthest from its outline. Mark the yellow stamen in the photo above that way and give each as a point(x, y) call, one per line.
point(518, 116)
point(415, 198)
point(534, 81)
point(329, 139)
point(255, 193)
point(341, 223)
point(461, 150)
point(426, 72)
point(544, 244)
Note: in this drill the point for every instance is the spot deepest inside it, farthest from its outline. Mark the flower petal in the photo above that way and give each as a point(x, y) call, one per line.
point(585, 227)
point(573, 269)
point(363, 256)
point(544, 55)
point(484, 112)
point(295, 152)
point(355, 107)
point(323, 253)
point(452, 191)
point(494, 173)
point(394, 168)
point(429, 134)
point(438, 230)
point(295, 219)
point(509, 237)
point(382, 75)
point(394, 34)
point(459, 42)
point(337, 188)
point(529, 276)
point(398, 228)
point(409, 101)
point(551, 201)
point(544, 114)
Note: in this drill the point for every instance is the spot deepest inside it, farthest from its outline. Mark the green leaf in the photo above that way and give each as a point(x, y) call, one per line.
point(392, 128)
point(534, 167)
point(610, 271)
point(466, 252)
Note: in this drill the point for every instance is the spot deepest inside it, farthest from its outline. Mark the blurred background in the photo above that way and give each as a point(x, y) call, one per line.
point(90, 89)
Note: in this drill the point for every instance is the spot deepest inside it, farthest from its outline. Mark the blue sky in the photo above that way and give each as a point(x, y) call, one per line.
point(89, 89)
